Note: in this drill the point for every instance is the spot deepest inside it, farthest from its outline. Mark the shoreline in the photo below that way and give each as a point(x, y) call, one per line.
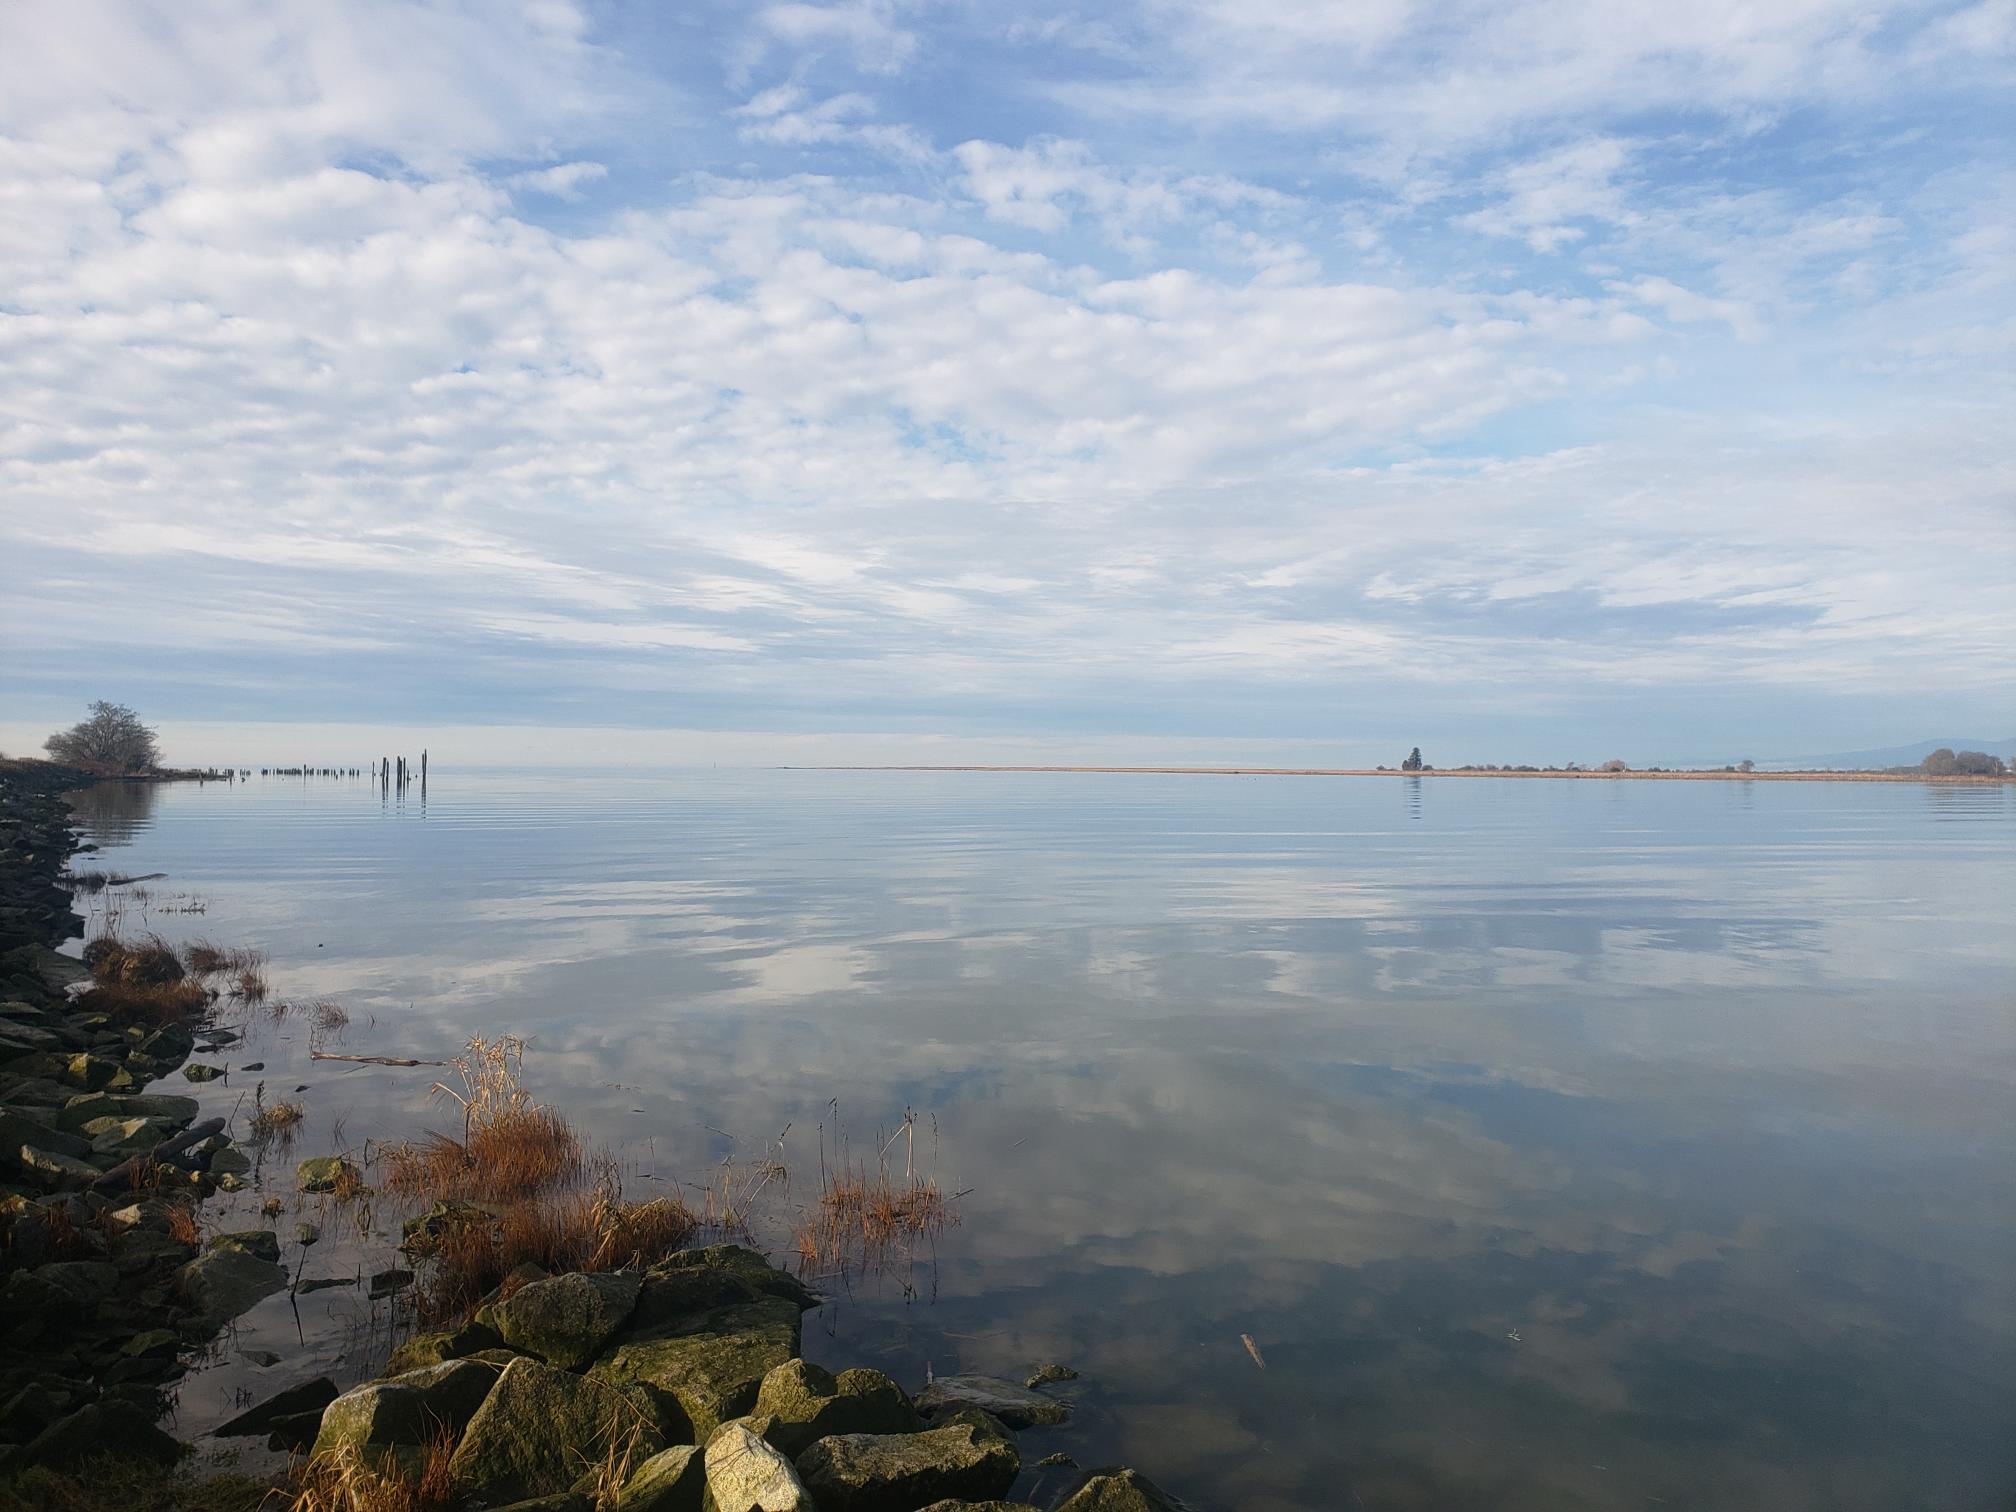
point(677, 1377)
point(1969, 780)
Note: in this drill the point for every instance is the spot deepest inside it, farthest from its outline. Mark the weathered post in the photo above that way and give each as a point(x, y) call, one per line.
point(423, 771)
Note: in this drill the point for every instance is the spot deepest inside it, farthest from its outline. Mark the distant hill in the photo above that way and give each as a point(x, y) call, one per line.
point(1894, 756)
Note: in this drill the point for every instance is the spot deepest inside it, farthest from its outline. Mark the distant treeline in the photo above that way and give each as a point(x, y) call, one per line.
point(1946, 762)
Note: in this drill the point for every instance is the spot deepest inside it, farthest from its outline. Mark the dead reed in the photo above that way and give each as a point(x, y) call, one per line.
point(350, 1480)
point(511, 1147)
point(208, 958)
point(145, 1003)
point(148, 962)
point(276, 1122)
point(869, 1218)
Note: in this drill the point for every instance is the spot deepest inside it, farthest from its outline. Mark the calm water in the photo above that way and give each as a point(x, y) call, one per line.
point(1557, 1144)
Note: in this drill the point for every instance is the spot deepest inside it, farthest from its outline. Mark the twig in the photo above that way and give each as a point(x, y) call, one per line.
point(373, 1060)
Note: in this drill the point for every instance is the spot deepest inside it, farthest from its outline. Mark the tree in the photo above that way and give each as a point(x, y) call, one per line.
point(1746, 765)
point(1413, 761)
point(1944, 762)
point(112, 740)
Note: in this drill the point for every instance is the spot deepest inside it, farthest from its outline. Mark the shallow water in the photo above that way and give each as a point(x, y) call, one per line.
point(1557, 1144)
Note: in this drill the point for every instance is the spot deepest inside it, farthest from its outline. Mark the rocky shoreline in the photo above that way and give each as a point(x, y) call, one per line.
point(679, 1385)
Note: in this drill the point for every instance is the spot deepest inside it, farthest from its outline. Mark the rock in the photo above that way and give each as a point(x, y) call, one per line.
point(983, 1423)
point(951, 1504)
point(809, 1403)
point(323, 1173)
point(567, 1320)
point(120, 1137)
point(744, 1265)
point(1060, 1460)
point(1115, 1489)
point(310, 1396)
point(672, 1480)
point(17, 1129)
point(94, 1073)
point(309, 1284)
point(388, 1283)
point(263, 1243)
point(200, 1071)
point(711, 1372)
point(222, 1283)
point(114, 1428)
point(78, 1111)
point(539, 1426)
point(1017, 1406)
point(744, 1474)
point(155, 1343)
point(873, 1472)
point(1046, 1374)
point(378, 1421)
point(229, 1162)
point(451, 1392)
point(307, 1233)
point(434, 1348)
point(56, 1170)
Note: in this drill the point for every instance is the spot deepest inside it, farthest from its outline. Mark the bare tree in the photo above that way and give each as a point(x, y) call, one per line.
point(112, 740)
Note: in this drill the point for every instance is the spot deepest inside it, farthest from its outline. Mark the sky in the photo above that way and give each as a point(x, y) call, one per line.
point(1168, 380)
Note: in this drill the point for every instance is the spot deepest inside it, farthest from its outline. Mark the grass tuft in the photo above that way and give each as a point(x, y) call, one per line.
point(208, 958)
point(350, 1480)
point(867, 1218)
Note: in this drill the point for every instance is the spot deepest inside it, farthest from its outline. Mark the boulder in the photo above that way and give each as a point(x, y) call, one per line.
point(94, 1073)
point(746, 1266)
point(262, 1243)
point(673, 1480)
point(451, 1392)
point(539, 1428)
point(323, 1173)
point(433, 1348)
point(878, 1472)
point(378, 1421)
point(711, 1372)
point(53, 1170)
point(309, 1396)
point(744, 1474)
point(808, 1403)
point(1017, 1406)
point(1116, 1489)
point(103, 1428)
point(18, 1128)
point(202, 1071)
point(567, 1320)
point(222, 1283)
point(952, 1504)
point(80, 1110)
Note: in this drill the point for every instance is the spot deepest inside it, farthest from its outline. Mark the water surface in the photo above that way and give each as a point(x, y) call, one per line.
point(1557, 1144)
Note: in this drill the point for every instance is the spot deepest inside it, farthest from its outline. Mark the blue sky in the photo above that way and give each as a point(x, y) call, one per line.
point(1535, 381)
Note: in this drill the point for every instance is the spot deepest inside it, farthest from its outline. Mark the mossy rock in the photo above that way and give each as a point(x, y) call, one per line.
point(747, 1266)
point(1017, 1406)
point(870, 1472)
point(324, 1173)
point(435, 1348)
point(222, 1283)
point(540, 1426)
point(810, 1403)
point(567, 1320)
point(744, 1474)
point(263, 1243)
point(672, 1480)
point(711, 1372)
point(1114, 1488)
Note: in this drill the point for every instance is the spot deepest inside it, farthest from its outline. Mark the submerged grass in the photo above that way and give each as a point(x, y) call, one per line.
point(208, 958)
point(865, 1218)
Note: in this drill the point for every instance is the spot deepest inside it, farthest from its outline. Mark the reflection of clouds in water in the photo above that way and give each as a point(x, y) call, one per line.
point(1720, 1135)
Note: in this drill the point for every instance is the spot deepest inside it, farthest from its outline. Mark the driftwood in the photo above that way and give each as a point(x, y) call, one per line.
point(373, 1060)
point(162, 1154)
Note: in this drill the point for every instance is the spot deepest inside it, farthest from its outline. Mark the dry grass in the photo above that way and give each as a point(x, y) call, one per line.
point(597, 1231)
point(274, 1121)
point(249, 984)
point(183, 1226)
point(869, 1218)
point(351, 1481)
point(147, 962)
point(137, 1003)
point(208, 958)
point(511, 1147)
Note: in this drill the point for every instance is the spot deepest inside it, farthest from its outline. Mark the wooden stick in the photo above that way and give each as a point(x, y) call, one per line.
point(373, 1060)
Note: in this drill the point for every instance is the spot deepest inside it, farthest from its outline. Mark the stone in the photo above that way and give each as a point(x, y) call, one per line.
point(154, 1343)
point(1046, 1374)
point(18, 1128)
point(389, 1283)
point(567, 1320)
point(673, 1480)
point(78, 1111)
point(953, 1504)
point(1017, 1406)
point(222, 1283)
point(711, 1372)
point(56, 1170)
point(322, 1173)
point(983, 1423)
point(1116, 1489)
point(451, 1392)
point(202, 1071)
point(539, 1426)
point(746, 1266)
point(94, 1073)
point(744, 1474)
point(871, 1472)
point(229, 1162)
point(307, 1233)
point(809, 1403)
point(310, 1396)
point(115, 1428)
point(377, 1422)
point(434, 1348)
point(121, 1137)
point(263, 1243)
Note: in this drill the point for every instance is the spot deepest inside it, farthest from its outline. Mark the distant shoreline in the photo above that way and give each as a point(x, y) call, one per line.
point(1250, 771)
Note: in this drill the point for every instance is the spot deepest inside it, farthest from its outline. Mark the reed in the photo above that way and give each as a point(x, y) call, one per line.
point(867, 1218)
point(349, 1480)
point(145, 1003)
point(208, 958)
